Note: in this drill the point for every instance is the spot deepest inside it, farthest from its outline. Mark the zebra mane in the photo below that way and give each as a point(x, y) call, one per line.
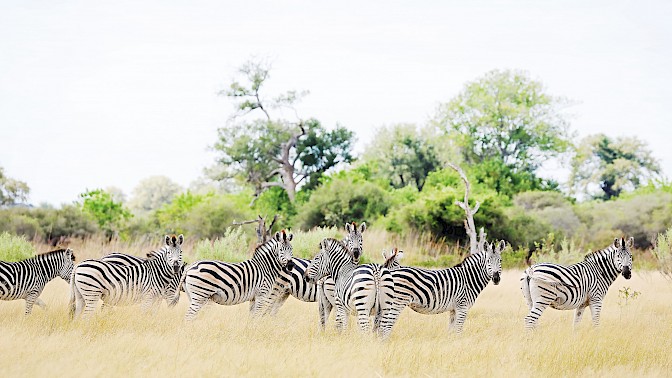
point(599, 254)
point(260, 247)
point(337, 242)
point(50, 254)
point(468, 260)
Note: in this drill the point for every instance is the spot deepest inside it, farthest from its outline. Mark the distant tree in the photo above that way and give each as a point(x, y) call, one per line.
point(506, 116)
point(402, 155)
point(108, 213)
point(272, 152)
point(12, 190)
point(603, 167)
point(117, 194)
point(152, 193)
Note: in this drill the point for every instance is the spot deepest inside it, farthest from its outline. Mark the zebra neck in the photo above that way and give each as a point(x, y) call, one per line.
point(477, 275)
point(604, 264)
point(47, 265)
point(340, 268)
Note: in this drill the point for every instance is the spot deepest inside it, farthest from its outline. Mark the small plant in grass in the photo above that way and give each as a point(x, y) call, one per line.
point(663, 253)
point(234, 246)
point(626, 295)
point(15, 248)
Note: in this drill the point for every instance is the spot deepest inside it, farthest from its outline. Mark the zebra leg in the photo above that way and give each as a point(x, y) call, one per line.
point(31, 298)
point(278, 303)
point(460, 317)
point(578, 315)
point(341, 318)
point(195, 305)
point(363, 319)
point(324, 306)
point(595, 310)
point(534, 314)
point(451, 320)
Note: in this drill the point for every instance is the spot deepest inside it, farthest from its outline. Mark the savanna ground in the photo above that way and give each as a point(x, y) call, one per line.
point(635, 339)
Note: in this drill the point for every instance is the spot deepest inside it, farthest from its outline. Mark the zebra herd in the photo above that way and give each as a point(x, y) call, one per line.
point(333, 278)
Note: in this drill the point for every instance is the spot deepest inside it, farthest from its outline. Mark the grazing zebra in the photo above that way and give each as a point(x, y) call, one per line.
point(575, 286)
point(233, 283)
point(26, 279)
point(364, 289)
point(169, 283)
point(291, 282)
point(452, 290)
point(124, 284)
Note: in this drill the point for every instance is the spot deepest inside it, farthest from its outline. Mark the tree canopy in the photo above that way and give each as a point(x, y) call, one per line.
point(12, 190)
point(152, 193)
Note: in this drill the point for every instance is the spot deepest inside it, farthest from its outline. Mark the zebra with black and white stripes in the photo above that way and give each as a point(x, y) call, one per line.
point(291, 282)
point(117, 284)
point(234, 283)
point(364, 289)
point(452, 290)
point(169, 284)
point(26, 279)
point(576, 286)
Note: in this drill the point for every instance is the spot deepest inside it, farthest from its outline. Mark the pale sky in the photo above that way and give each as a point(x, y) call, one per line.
point(98, 94)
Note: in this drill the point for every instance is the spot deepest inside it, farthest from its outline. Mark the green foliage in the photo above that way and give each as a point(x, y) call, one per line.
point(232, 246)
point(108, 213)
point(343, 198)
point(604, 167)
point(662, 251)
point(551, 212)
point(504, 179)
point(320, 150)
point(402, 156)
point(627, 295)
point(514, 258)
point(47, 224)
point(170, 215)
point(152, 193)
point(506, 116)
point(15, 248)
point(12, 190)
point(564, 252)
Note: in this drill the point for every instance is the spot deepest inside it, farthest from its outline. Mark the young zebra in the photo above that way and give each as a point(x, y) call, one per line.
point(168, 284)
point(119, 284)
point(575, 286)
point(364, 289)
point(291, 282)
point(26, 279)
point(235, 283)
point(452, 290)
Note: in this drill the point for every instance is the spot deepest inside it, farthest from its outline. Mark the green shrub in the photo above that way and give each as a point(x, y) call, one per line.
point(233, 246)
point(15, 248)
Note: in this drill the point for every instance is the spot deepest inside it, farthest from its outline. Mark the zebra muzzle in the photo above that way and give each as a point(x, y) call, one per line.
point(627, 273)
point(496, 277)
point(288, 267)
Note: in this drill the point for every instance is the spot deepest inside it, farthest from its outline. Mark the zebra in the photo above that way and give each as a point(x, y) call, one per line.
point(234, 283)
point(291, 282)
point(452, 290)
point(365, 289)
point(169, 283)
point(26, 279)
point(392, 259)
point(124, 284)
point(576, 286)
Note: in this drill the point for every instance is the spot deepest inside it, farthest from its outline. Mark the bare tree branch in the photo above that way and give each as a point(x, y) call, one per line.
point(469, 225)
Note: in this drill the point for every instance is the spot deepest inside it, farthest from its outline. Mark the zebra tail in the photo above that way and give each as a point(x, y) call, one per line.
point(525, 286)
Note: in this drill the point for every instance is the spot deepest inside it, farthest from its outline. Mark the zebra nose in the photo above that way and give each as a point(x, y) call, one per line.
point(496, 278)
point(290, 265)
point(627, 273)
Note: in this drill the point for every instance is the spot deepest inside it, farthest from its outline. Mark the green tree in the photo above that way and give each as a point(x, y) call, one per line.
point(12, 190)
point(402, 155)
point(506, 116)
point(271, 152)
point(108, 213)
point(603, 167)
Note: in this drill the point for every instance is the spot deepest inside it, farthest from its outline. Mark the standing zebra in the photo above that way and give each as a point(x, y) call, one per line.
point(26, 279)
point(168, 283)
point(124, 284)
point(452, 289)
point(576, 286)
point(291, 282)
point(364, 289)
point(234, 283)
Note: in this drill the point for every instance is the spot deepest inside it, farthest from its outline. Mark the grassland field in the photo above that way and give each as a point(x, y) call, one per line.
point(633, 340)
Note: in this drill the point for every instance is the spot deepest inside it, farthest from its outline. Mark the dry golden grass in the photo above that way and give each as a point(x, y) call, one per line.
point(633, 340)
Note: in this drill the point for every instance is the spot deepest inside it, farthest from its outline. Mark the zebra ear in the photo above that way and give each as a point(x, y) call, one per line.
point(167, 239)
point(180, 239)
point(617, 243)
point(348, 228)
point(277, 236)
point(290, 237)
point(385, 255)
point(630, 243)
point(399, 256)
point(501, 246)
point(362, 227)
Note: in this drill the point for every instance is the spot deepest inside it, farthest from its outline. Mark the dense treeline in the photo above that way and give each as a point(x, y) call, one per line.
point(501, 129)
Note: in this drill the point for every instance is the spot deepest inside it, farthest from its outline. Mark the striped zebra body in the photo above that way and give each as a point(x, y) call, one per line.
point(362, 289)
point(291, 282)
point(117, 284)
point(452, 290)
point(235, 283)
point(169, 283)
point(26, 279)
point(575, 286)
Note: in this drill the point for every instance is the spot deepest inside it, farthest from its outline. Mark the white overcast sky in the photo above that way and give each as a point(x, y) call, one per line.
point(98, 94)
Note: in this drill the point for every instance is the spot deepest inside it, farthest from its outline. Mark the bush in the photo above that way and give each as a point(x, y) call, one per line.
point(233, 246)
point(663, 253)
point(47, 224)
point(15, 248)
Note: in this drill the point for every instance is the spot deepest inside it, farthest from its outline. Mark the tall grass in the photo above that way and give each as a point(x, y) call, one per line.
point(15, 248)
point(233, 247)
point(663, 253)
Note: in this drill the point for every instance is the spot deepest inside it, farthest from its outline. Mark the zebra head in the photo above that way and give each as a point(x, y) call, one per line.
point(319, 265)
point(173, 250)
point(392, 259)
point(623, 256)
point(493, 260)
point(354, 241)
point(68, 264)
point(284, 249)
